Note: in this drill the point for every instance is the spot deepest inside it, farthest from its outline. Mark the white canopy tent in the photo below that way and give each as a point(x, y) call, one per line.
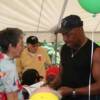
point(42, 16)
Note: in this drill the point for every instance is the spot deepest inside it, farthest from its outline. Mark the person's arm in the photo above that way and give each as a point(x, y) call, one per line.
point(63, 90)
point(95, 87)
point(12, 96)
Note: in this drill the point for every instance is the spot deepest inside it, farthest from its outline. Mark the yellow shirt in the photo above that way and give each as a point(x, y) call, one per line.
point(38, 61)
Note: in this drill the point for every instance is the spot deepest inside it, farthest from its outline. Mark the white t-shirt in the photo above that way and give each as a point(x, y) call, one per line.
point(8, 82)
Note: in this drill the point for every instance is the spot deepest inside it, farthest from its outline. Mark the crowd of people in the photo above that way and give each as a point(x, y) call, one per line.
point(29, 67)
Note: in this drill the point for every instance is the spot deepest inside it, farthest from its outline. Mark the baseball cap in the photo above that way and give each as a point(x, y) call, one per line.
point(32, 40)
point(70, 22)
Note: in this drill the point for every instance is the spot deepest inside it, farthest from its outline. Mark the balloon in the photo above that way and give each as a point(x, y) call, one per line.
point(44, 96)
point(92, 6)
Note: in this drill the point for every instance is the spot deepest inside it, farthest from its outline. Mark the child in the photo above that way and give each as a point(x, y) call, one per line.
point(45, 92)
point(31, 80)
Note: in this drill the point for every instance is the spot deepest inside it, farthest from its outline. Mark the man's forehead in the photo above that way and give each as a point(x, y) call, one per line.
point(35, 44)
point(72, 31)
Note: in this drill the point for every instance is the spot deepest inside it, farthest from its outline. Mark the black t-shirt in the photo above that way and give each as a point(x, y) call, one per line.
point(77, 69)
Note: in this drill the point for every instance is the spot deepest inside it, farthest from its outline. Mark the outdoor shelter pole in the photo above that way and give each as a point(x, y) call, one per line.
point(58, 25)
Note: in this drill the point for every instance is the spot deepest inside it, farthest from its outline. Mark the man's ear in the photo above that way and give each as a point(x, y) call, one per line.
point(10, 47)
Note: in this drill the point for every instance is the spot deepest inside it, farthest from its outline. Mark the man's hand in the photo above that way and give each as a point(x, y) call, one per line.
point(65, 91)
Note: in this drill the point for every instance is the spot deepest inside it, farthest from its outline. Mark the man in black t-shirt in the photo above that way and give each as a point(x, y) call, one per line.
point(80, 75)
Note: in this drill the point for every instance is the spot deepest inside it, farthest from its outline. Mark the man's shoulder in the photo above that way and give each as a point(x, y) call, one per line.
point(97, 51)
point(25, 50)
point(24, 53)
point(6, 64)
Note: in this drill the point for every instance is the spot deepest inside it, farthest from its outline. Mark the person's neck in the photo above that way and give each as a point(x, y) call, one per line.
point(76, 50)
point(10, 56)
point(81, 43)
point(30, 51)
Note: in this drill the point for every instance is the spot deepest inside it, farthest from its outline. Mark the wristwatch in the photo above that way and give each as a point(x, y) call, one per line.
point(74, 92)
